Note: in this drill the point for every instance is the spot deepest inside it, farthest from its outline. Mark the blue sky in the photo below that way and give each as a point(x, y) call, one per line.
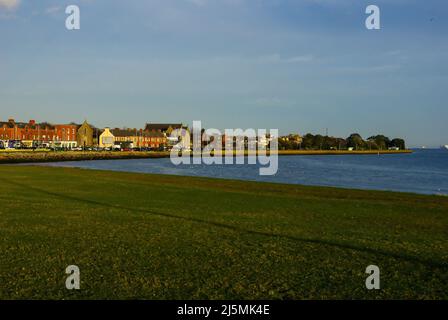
point(299, 66)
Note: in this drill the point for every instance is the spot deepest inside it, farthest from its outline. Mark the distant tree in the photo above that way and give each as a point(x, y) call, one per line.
point(331, 143)
point(282, 144)
point(318, 142)
point(308, 141)
point(341, 143)
point(371, 145)
point(295, 141)
point(398, 143)
point(381, 141)
point(355, 141)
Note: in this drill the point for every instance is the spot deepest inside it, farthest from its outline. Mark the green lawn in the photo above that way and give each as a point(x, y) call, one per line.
point(138, 236)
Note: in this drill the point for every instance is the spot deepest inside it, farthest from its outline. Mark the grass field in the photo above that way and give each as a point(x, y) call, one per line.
point(138, 236)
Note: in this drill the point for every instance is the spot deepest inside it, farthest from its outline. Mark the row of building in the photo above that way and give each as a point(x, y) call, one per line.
point(69, 136)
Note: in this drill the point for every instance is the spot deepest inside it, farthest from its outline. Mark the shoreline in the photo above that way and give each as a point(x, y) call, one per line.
point(7, 157)
point(232, 179)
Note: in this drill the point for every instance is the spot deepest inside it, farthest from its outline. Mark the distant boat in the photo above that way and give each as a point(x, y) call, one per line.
point(445, 147)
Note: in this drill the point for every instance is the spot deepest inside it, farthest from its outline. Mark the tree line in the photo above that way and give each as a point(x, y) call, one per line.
point(354, 141)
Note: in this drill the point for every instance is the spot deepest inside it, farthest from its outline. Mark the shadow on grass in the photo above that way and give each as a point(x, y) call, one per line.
point(401, 256)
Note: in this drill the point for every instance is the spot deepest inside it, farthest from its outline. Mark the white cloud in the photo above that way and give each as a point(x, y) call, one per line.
point(9, 4)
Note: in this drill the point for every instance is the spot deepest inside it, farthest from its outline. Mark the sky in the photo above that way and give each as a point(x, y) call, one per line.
point(294, 65)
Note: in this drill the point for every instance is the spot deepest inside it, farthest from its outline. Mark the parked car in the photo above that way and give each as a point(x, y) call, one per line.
point(15, 144)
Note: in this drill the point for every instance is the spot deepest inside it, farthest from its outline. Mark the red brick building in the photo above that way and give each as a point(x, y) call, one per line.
point(31, 134)
point(138, 138)
point(9, 130)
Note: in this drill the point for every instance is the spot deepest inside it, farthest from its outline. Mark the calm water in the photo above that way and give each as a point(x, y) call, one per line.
point(424, 171)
